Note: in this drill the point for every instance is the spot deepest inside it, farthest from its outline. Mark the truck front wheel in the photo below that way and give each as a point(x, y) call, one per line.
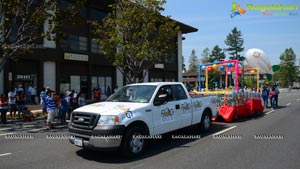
point(133, 143)
point(205, 123)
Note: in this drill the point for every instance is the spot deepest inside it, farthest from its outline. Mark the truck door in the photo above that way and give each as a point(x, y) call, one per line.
point(185, 113)
point(166, 116)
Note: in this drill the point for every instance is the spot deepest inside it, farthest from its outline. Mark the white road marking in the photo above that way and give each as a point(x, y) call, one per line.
point(288, 104)
point(4, 129)
point(270, 112)
point(6, 154)
point(137, 166)
point(33, 130)
point(27, 126)
point(6, 134)
point(225, 130)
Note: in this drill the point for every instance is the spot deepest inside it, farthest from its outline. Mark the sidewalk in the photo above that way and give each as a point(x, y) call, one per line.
point(36, 111)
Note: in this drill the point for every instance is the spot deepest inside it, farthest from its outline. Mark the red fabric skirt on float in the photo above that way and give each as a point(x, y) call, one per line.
point(252, 106)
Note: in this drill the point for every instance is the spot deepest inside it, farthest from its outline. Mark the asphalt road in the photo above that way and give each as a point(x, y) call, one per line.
point(267, 141)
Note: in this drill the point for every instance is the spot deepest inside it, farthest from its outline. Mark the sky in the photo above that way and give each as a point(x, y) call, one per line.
point(272, 34)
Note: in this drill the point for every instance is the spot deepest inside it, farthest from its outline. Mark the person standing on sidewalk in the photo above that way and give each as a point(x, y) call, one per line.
point(20, 102)
point(3, 108)
point(50, 106)
point(12, 103)
point(63, 108)
point(81, 100)
point(43, 102)
point(32, 93)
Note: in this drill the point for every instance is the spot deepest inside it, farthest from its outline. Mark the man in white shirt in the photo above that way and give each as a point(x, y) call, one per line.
point(12, 103)
point(32, 92)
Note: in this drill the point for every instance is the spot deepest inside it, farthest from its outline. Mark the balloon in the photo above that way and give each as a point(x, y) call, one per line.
point(228, 73)
point(258, 59)
point(215, 67)
point(203, 67)
point(210, 69)
point(229, 65)
point(222, 68)
point(252, 71)
point(216, 62)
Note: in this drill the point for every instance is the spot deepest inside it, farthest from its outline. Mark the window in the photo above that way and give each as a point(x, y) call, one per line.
point(83, 43)
point(180, 93)
point(102, 83)
point(95, 47)
point(65, 4)
point(98, 15)
point(156, 79)
point(75, 43)
point(73, 82)
point(171, 58)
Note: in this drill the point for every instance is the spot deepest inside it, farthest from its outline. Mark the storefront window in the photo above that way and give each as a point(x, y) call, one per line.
point(103, 83)
point(156, 79)
point(76, 83)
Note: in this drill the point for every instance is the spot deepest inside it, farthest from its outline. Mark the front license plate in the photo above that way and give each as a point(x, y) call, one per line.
point(78, 142)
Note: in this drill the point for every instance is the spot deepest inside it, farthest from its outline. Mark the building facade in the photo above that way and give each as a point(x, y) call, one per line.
point(76, 64)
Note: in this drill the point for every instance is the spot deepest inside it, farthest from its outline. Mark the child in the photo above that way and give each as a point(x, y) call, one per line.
point(27, 115)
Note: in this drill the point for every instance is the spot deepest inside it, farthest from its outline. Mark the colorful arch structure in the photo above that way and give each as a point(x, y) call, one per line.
point(252, 71)
point(228, 63)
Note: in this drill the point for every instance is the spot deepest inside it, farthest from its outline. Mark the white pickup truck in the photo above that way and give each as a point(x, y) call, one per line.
point(137, 112)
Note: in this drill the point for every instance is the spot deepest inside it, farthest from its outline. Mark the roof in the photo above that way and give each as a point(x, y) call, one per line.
point(190, 74)
point(185, 28)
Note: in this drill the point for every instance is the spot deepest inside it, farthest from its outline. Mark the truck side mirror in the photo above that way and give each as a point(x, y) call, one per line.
point(161, 99)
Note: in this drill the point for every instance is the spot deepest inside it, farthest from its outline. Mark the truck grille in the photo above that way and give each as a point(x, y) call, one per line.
point(84, 120)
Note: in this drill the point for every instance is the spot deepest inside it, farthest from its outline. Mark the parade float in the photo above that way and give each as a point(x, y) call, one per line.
point(233, 103)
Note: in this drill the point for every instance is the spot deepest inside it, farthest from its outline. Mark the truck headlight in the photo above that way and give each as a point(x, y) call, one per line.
point(108, 120)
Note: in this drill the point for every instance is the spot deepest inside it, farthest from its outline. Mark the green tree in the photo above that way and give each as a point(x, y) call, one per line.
point(135, 36)
point(235, 42)
point(216, 54)
point(205, 56)
point(183, 65)
point(250, 81)
point(288, 72)
point(193, 62)
point(21, 24)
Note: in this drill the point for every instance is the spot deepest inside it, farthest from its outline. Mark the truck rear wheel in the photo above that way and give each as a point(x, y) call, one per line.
point(133, 143)
point(205, 123)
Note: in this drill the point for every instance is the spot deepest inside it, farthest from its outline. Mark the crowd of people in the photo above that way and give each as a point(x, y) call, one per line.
point(53, 105)
point(60, 105)
point(270, 94)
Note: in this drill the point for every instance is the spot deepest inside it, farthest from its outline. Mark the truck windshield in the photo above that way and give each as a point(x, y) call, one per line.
point(137, 94)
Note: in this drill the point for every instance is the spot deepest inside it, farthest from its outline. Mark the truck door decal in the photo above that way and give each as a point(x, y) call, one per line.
point(197, 104)
point(167, 114)
point(186, 106)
